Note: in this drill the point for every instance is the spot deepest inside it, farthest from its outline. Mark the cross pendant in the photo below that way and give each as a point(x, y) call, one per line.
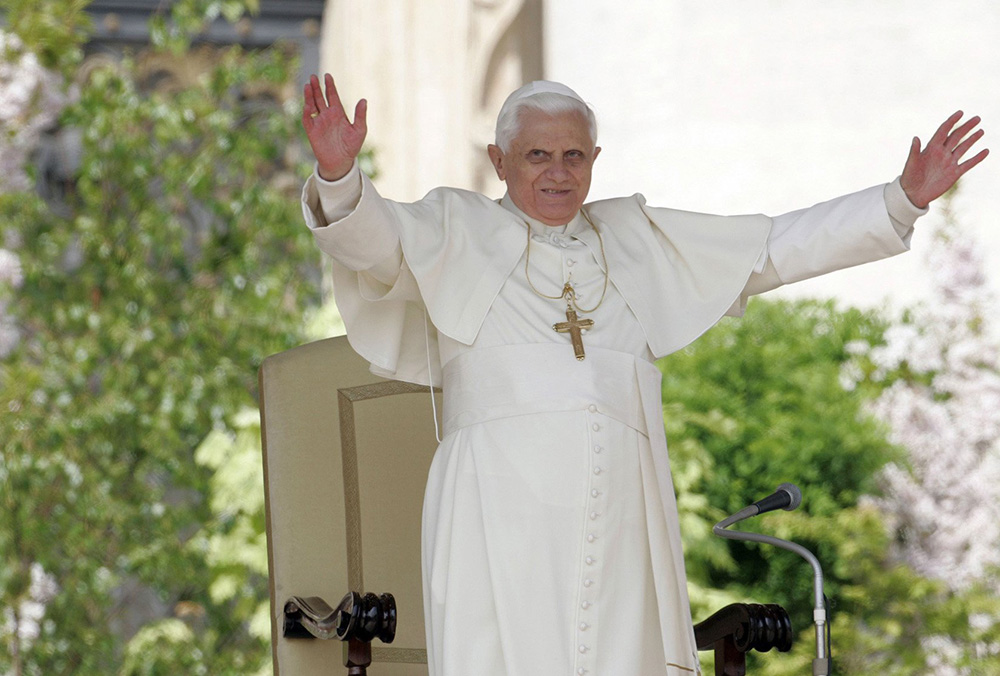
point(572, 326)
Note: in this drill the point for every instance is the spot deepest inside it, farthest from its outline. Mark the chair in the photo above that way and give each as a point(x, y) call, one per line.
point(346, 455)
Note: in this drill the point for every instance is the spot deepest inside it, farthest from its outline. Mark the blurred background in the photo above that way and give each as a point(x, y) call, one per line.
point(152, 254)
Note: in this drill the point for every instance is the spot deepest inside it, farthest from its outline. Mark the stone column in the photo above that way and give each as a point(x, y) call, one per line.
point(434, 73)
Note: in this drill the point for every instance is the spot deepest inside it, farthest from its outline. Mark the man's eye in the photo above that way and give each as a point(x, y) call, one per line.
point(538, 154)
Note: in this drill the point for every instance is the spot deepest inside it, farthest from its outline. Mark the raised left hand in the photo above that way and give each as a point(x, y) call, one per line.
point(931, 172)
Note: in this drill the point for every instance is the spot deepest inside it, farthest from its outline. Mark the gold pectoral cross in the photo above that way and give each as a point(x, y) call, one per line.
point(573, 327)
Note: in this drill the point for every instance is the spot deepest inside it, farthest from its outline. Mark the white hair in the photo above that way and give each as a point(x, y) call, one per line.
point(509, 123)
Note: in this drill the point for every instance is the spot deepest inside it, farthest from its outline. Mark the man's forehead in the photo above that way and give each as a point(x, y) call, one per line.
point(536, 123)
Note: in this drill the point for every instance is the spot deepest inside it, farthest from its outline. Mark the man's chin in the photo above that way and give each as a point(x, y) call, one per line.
point(554, 217)
point(559, 208)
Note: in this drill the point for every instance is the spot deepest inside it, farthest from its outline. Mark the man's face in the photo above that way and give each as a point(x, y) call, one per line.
point(549, 165)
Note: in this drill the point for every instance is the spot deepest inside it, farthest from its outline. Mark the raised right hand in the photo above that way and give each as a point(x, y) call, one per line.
point(335, 140)
point(931, 172)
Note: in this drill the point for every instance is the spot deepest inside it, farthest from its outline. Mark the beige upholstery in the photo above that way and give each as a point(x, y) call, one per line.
point(327, 424)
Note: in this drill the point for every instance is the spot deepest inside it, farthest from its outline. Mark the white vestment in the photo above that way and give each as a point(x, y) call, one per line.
point(550, 537)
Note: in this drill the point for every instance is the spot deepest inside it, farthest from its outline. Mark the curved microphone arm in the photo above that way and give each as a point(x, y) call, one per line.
point(720, 530)
point(821, 665)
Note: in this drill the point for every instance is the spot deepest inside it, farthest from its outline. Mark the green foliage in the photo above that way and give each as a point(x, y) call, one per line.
point(163, 648)
point(889, 619)
point(234, 542)
point(151, 294)
point(174, 31)
point(758, 402)
point(53, 30)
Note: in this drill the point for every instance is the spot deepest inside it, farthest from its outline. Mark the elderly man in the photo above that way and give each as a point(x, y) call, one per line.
point(550, 536)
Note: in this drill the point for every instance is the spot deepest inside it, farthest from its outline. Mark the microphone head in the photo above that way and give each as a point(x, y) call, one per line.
point(794, 494)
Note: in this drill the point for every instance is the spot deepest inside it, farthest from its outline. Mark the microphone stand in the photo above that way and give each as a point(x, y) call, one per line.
point(821, 664)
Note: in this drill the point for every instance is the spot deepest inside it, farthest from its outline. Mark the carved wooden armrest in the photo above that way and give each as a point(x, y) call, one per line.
point(309, 617)
point(739, 628)
point(357, 620)
point(355, 617)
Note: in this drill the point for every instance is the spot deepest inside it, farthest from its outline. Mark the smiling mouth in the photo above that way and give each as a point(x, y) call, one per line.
point(554, 192)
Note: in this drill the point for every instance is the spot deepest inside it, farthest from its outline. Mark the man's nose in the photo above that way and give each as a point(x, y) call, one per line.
point(558, 170)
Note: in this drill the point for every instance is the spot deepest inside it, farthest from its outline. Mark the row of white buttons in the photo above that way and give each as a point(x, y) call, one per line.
point(576, 292)
point(588, 583)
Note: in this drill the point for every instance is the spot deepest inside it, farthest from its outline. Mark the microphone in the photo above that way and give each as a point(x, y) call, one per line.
point(787, 497)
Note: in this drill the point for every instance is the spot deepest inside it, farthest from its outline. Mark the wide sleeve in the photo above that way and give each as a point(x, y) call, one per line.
point(858, 228)
point(356, 233)
point(406, 273)
point(376, 293)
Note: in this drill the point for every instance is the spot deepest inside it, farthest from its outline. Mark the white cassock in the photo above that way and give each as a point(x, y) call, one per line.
point(550, 533)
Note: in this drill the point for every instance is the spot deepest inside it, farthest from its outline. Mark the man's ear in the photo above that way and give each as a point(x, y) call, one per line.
point(497, 158)
point(597, 151)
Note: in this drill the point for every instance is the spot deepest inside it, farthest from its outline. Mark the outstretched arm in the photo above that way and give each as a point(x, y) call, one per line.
point(931, 172)
point(335, 140)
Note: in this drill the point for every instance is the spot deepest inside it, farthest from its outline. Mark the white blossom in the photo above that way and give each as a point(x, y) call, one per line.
point(10, 269)
point(11, 277)
point(10, 336)
point(31, 99)
point(27, 622)
point(942, 654)
point(944, 409)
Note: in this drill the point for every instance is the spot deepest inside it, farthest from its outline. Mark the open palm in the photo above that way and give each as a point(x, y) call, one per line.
point(335, 140)
point(931, 172)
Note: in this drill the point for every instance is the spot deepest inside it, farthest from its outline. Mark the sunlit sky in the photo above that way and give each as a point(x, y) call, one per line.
point(735, 106)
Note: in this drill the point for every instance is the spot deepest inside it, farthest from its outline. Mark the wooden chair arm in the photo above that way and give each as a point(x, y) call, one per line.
point(363, 617)
point(739, 628)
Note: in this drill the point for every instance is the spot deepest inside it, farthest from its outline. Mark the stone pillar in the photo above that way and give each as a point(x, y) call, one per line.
point(434, 73)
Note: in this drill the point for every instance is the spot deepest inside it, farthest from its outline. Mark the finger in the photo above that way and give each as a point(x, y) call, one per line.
point(942, 132)
point(964, 146)
point(969, 164)
point(319, 104)
point(332, 97)
point(956, 136)
point(914, 150)
point(361, 117)
point(308, 108)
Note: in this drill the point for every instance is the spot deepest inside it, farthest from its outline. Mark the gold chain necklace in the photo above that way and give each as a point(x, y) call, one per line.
point(568, 292)
point(573, 325)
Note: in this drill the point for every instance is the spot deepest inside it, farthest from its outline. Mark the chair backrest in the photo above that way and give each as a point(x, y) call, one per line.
point(346, 456)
